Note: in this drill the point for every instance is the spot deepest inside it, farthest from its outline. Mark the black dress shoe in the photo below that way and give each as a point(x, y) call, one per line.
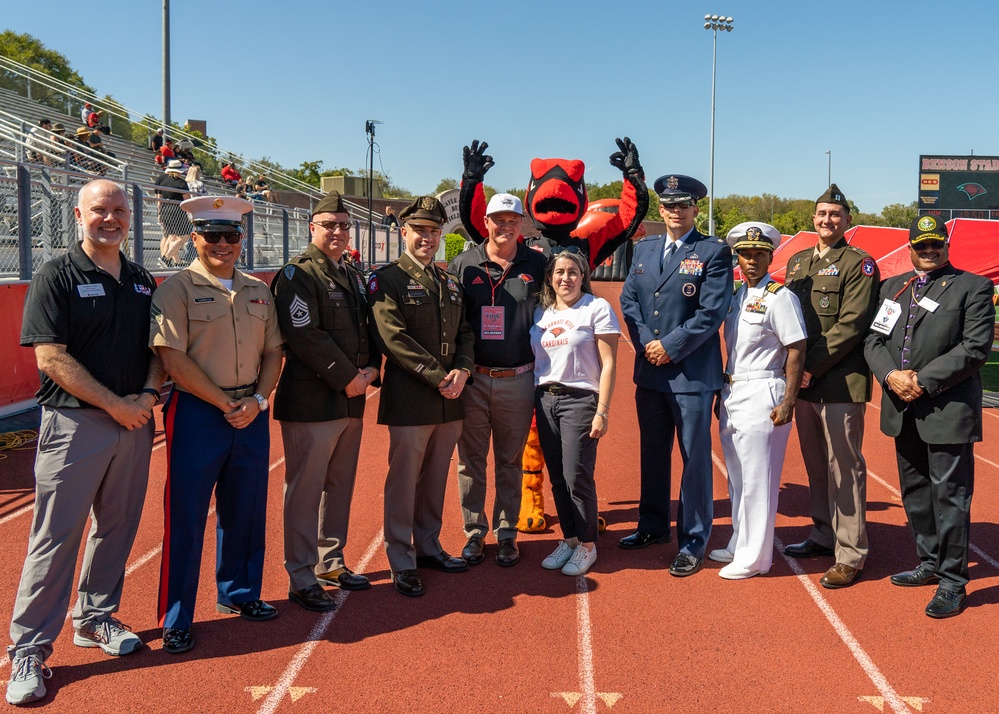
point(257, 610)
point(922, 575)
point(640, 539)
point(474, 551)
point(176, 640)
point(508, 553)
point(808, 548)
point(685, 564)
point(946, 603)
point(407, 582)
point(313, 598)
point(442, 562)
point(344, 579)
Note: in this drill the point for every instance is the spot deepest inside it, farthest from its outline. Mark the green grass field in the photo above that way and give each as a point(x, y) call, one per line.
point(990, 373)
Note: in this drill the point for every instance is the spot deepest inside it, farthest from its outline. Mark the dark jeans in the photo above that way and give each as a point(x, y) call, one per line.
point(564, 423)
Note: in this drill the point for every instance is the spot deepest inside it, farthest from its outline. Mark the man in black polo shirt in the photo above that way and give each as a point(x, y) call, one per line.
point(87, 316)
point(501, 277)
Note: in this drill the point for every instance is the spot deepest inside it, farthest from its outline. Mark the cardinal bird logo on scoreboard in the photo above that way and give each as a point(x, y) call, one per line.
point(972, 190)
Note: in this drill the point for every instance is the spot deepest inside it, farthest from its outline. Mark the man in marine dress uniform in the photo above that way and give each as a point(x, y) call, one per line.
point(322, 308)
point(765, 338)
point(929, 340)
point(837, 286)
point(86, 315)
point(216, 331)
point(674, 299)
point(500, 278)
point(420, 315)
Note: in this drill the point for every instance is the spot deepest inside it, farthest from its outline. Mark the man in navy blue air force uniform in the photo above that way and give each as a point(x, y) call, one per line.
point(674, 300)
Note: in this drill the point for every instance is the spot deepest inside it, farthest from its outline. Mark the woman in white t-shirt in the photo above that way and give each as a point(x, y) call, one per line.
point(574, 339)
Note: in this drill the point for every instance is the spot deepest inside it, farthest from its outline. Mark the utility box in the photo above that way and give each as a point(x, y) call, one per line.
point(351, 186)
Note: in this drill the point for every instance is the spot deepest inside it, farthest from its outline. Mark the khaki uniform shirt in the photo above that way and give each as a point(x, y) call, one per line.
point(225, 333)
point(838, 294)
point(423, 332)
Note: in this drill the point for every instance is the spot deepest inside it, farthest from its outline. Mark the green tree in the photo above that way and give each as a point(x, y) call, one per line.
point(445, 184)
point(899, 215)
point(29, 51)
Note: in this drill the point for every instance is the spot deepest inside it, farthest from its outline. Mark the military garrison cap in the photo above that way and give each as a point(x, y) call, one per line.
point(676, 188)
point(927, 228)
point(332, 202)
point(753, 235)
point(425, 210)
point(833, 195)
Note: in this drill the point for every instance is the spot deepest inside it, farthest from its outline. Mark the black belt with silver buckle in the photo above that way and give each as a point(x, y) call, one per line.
point(560, 390)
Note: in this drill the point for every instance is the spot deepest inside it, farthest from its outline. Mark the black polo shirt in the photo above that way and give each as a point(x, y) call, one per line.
point(516, 291)
point(103, 322)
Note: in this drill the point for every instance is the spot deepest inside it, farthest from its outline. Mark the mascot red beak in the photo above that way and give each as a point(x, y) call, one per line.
point(556, 195)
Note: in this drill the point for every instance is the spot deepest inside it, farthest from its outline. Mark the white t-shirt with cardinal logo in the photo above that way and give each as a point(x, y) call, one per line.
point(565, 344)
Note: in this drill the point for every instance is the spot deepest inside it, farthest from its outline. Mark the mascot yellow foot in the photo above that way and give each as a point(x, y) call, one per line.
point(532, 500)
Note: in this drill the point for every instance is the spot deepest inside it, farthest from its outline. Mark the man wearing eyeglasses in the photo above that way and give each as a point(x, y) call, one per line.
point(837, 286)
point(217, 333)
point(322, 308)
point(420, 314)
point(674, 299)
point(927, 344)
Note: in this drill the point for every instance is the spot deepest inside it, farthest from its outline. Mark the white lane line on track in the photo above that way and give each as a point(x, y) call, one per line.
point(584, 644)
point(870, 669)
point(895, 492)
point(314, 637)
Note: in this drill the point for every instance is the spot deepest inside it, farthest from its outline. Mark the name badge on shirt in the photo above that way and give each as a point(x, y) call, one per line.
point(884, 321)
point(90, 290)
point(492, 322)
point(928, 304)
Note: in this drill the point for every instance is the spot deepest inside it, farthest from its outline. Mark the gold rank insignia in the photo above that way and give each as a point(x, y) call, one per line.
point(217, 203)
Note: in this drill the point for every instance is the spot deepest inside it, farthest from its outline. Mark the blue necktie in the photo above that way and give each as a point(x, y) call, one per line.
point(667, 254)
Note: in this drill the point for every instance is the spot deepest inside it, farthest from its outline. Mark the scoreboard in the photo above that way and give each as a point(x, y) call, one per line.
point(959, 186)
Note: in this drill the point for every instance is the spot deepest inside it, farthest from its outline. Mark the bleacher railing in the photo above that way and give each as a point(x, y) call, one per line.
point(37, 223)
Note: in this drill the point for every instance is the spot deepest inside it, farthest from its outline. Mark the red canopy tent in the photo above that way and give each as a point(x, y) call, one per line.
point(974, 246)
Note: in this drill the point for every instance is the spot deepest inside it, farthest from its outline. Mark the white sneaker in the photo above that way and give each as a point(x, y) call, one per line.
point(110, 635)
point(722, 555)
point(559, 557)
point(736, 572)
point(580, 561)
point(27, 679)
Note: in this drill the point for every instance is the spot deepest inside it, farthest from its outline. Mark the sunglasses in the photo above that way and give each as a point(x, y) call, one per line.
point(231, 237)
point(565, 249)
point(929, 245)
point(333, 225)
point(681, 204)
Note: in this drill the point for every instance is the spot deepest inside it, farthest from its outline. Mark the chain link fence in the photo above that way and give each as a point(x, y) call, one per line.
point(37, 223)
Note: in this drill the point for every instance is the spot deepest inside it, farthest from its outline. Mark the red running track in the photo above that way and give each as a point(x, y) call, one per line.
point(627, 637)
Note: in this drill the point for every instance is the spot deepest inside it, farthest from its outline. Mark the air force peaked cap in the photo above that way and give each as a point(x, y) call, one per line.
point(676, 188)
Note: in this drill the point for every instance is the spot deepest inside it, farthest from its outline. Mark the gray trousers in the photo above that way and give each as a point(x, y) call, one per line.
point(564, 424)
point(320, 467)
point(502, 407)
point(86, 465)
point(419, 461)
point(831, 438)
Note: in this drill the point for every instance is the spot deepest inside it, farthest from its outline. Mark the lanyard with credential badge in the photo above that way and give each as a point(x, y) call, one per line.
point(493, 322)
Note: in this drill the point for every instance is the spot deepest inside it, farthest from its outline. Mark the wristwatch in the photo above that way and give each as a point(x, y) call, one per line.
point(261, 402)
point(154, 392)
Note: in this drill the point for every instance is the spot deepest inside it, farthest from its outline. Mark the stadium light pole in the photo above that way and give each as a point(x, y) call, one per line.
point(714, 23)
point(166, 67)
point(369, 129)
point(829, 168)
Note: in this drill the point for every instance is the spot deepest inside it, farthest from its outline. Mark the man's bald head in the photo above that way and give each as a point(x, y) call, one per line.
point(98, 186)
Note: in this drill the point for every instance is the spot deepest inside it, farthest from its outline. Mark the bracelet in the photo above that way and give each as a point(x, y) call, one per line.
point(605, 406)
point(154, 392)
point(602, 414)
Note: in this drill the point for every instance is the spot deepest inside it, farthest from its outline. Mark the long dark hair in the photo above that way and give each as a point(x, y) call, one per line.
point(547, 295)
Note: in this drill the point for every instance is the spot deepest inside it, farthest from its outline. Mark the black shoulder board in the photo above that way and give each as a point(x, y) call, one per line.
point(773, 286)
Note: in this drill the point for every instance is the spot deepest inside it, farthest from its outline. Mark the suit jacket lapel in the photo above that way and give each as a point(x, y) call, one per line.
point(936, 288)
point(679, 255)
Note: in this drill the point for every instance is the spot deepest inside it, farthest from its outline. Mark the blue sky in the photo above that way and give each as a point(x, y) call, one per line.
point(877, 83)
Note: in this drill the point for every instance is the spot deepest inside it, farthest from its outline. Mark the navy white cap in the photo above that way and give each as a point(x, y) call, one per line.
point(753, 235)
point(211, 214)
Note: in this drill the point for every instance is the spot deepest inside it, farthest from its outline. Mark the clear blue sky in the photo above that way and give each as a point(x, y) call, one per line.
point(876, 82)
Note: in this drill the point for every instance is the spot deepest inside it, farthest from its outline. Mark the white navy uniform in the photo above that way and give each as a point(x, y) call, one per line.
point(760, 324)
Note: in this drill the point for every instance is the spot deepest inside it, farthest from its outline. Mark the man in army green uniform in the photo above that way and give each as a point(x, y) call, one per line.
point(837, 286)
point(422, 331)
point(322, 307)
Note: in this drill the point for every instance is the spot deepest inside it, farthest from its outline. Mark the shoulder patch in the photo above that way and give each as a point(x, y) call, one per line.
point(773, 287)
point(868, 266)
point(373, 284)
point(289, 271)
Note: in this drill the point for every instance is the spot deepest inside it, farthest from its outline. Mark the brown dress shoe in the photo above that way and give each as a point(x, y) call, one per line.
point(839, 576)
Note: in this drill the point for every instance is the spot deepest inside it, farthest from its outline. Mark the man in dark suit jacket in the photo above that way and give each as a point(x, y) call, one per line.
point(674, 300)
point(322, 307)
point(836, 285)
point(420, 315)
point(928, 342)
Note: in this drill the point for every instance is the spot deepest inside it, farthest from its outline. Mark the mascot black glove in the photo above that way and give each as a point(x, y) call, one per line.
point(477, 162)
point(626, 160)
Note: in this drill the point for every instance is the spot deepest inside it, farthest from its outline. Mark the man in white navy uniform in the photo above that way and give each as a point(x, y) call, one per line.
point(765, 338)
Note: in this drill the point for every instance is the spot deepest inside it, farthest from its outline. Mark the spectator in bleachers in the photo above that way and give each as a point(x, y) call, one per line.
point(194, 183)
point(37, 142)
point(157, 142)
point(81, 156)
point(167, 152)
point(262, 190)
point(230, 175)
point(172, 189)
point(185, 150)
point(85, 113)
point(94, 118)
point(390, 220)
point(241, 189)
